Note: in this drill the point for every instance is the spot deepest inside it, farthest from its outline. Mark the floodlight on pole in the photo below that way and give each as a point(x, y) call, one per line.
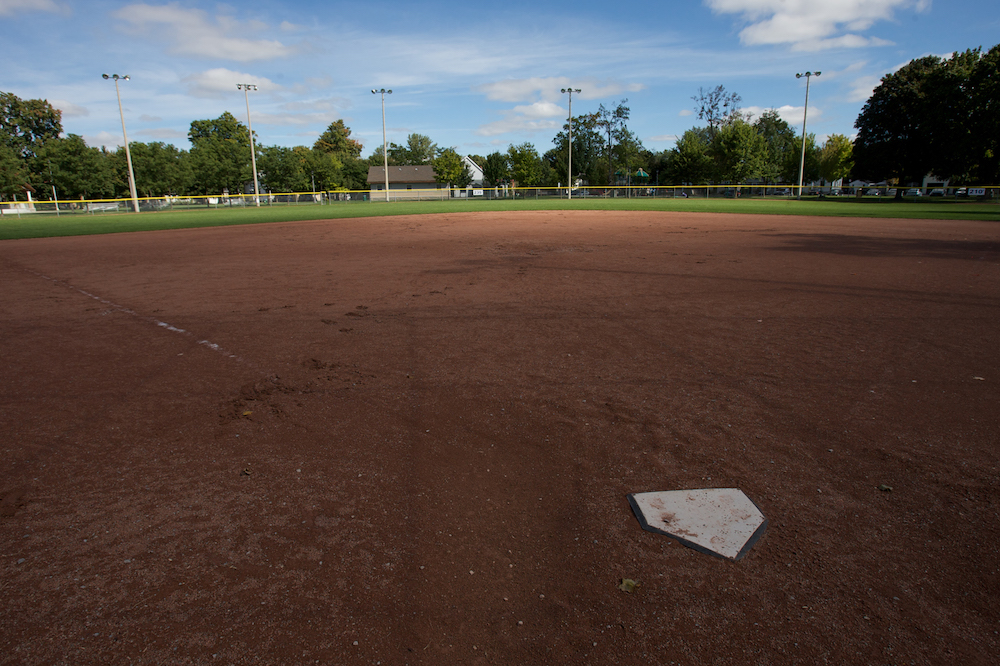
point(805, 111)
point(246, 88)
point(385, 152)
point(128, 154)
point(569, 168)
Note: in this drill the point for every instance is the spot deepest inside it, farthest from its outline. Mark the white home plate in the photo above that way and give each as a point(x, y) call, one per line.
point(719, 521)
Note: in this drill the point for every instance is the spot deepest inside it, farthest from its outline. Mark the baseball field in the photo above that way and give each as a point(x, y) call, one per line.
point(409, 440)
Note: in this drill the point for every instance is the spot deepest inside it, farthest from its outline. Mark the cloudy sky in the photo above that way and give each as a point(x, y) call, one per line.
point(471, 76)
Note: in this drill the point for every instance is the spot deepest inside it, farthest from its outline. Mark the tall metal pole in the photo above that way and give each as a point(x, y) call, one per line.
point(128, 154)
point(247, 87)
point(385, 151)
point(805, 112)
point(569, 168)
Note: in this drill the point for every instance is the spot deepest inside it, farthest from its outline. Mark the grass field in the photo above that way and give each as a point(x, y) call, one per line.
point(80, 224)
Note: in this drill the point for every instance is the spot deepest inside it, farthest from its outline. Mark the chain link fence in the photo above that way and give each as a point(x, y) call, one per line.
point(151, 204)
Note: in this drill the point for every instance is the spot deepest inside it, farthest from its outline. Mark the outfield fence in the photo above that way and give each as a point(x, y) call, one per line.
point(869, 194)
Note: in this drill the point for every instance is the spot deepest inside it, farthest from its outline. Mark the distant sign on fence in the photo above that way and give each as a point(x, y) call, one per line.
point(977, 191)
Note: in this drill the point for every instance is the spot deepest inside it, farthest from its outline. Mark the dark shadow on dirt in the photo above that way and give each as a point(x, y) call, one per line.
point(872, 246)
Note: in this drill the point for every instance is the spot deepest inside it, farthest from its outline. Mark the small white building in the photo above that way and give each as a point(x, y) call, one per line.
point(406, 182)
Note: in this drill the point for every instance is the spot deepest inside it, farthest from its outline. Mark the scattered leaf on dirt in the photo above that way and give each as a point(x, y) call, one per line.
point(884, 488)
point(245, 472)
point(628, 585)
point(247, 413)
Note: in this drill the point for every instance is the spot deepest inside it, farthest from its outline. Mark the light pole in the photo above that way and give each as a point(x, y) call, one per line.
point(385, 152)
point(246, 88)
point(128, 154)
point(569, 168)
point(805, 112)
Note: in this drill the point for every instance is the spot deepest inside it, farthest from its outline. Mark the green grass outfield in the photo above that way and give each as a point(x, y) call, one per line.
point(77, 224)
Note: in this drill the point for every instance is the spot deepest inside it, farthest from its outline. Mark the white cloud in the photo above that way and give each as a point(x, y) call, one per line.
point(862, 88)
point(162, 134)
point(540, 110)
point(109, 140)
point(808, 25)
point(548, 89)
point(790, 114)
point(312, 85)
point(192, 32)
point(69, 110)
point(516, 123)
point(146, 118)
point(13, 7)
point(330, 104)
point(294, 119)
point(685, 112)
point(543, 95)
point(220, 83)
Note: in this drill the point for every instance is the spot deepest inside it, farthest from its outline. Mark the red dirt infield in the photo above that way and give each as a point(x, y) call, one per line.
point(409, 440)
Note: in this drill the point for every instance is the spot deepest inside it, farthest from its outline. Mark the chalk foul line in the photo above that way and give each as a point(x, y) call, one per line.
point(129, 311)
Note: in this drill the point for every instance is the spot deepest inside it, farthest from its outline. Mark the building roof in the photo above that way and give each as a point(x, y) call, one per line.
point(421, 173)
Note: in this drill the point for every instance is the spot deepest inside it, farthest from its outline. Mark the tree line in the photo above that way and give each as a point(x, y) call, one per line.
point(936, 116)
point(35, 157)
point(933, 115)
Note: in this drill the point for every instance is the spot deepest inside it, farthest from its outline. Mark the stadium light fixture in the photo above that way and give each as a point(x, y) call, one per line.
point(246, 88)
point(385, 152)
point(805, 111)
point(569, 168)
point(128, 154)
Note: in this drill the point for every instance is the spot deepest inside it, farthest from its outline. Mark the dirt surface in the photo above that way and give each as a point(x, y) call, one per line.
point(410, 440)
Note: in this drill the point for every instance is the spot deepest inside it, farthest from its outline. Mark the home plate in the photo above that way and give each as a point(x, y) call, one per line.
point(719, 521)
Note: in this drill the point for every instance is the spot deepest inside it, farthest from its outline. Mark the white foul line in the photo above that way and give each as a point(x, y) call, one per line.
point(153, 320)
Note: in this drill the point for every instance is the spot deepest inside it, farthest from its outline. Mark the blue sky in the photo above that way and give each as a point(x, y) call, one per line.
point(471, 76)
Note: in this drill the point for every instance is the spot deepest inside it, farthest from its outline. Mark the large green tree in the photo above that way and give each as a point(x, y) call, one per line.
point(836, 158)
point(717, 108)
point(525, 164)
point(984, 100)
point(419, 149)
point(13, 172)
point(220, 155)
point(496, 169)
point(917, 121)
point(337, 139)
point(160, 168)
point(630, 156)
point(281, 169)
point(588, 148)
point(688, 162)
point(76, 170)
point(779, 139)
point(611, 122)
point(26, 124)
point(740, 152)
point(449, 167)
point(793, 160)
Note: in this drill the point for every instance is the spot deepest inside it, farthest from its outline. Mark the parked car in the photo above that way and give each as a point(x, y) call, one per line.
point(873, 193)
point(936, 192)
point(914, 192)
point(834, 192)
point(962, 192)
